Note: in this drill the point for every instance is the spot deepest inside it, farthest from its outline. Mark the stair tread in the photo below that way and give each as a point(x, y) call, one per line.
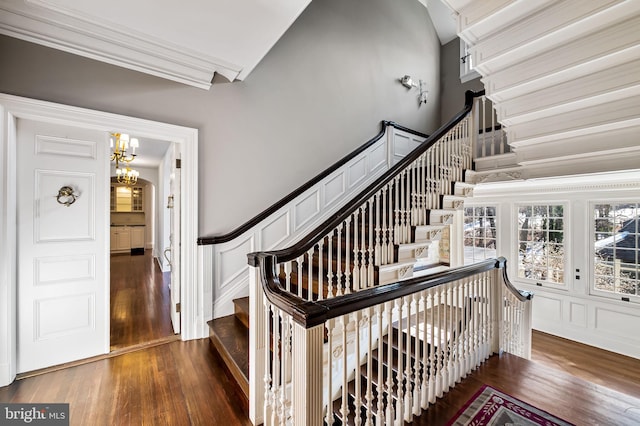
point(241, 310)
point(231, 339)
point(242, 303)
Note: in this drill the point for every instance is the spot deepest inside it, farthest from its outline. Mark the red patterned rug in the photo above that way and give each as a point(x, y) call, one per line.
point(491, 407)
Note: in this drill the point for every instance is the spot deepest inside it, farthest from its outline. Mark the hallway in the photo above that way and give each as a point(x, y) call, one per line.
point(140, 301)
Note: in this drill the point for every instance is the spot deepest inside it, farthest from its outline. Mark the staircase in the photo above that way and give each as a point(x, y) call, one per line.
point(229, 338)
point(369, 316)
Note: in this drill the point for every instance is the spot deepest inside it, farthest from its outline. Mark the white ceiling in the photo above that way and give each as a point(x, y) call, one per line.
point(150, 153)
point(185, 41)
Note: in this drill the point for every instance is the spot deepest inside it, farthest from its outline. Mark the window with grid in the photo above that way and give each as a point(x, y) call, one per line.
point(479, 233)
point(541, 254)
point(616, 252)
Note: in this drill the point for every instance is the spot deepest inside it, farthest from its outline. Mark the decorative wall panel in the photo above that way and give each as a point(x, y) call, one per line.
point(275, 231)
point(306, 209)
point(233, 261)
point(334, 188)
point(617, 323)
point(357, 171)
point(577, 314)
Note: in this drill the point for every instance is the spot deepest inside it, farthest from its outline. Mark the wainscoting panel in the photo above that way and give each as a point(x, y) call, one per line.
point(232, 260)
point(226, 263)
point(306, 209)
point(617, 323)
point(377, 158)
point(357, 172)
point(334, 188)
point(577, 314)
point(548, 308)
point(403, 144)
point(275, 231)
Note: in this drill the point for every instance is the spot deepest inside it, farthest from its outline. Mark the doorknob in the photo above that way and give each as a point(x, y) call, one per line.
point(168, 249)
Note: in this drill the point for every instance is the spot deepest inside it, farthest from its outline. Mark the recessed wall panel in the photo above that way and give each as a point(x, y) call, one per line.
point(275, 231)
point(306, 208)
point(378, 157)
point(232, 261)
point(60, 269)
point(334, 188)
point(547, 309)
point(400, 145)
point(618, 323)
point(57, 222)
point(578, 314)
point(62, 316)
point(357, 171)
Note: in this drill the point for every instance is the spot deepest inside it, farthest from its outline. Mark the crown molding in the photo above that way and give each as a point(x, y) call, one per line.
point(42, 23)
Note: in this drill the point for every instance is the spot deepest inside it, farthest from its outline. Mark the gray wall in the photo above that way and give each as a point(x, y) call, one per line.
point(318, 94)
point(452, 90)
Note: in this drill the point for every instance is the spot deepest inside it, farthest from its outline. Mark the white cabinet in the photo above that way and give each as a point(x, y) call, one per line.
point(120, 238)
point(126, 238)
point(137, 237)
point(127, 198)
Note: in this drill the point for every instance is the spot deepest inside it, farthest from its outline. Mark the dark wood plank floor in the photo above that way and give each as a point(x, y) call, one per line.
point(140, 301)
point(184, 383)
point(178, 383)
point(618, 372)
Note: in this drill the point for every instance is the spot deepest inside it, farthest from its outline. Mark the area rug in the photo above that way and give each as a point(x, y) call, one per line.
point(491, 407)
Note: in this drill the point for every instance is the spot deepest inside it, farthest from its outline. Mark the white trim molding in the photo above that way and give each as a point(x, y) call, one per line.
point(193, 315)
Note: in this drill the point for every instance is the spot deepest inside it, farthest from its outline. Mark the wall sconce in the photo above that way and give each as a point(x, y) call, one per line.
point(408, 82)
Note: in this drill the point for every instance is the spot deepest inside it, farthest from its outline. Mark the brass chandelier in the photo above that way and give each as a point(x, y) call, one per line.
point(120, 154)
point(127, 175)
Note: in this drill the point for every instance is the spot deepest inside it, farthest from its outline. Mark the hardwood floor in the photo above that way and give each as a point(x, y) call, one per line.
point(182, 383)
point(140, 301)
point(617, 372)
point(178, 383)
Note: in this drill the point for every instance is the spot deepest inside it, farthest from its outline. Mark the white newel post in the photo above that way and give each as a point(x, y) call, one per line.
point(307, 375)
point(257, 347)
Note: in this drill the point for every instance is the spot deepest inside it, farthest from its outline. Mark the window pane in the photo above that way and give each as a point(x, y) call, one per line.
point(479, 234)
point(540, 242)
point(616, 248)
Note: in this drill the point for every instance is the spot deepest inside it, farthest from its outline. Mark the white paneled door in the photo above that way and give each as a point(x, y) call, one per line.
point(63, 275)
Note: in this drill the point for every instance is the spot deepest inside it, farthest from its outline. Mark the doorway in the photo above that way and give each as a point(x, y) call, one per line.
point(140, 279)
point(193, 311)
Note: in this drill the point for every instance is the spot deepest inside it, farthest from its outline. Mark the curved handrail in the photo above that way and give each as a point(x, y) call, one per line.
point(521, 295)
point(309, 314)
point(219, 239)
point(320, 231)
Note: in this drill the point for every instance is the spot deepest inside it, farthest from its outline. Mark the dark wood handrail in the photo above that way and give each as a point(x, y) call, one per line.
point(320, 231)
point(309, 314)
point(312, 313)
point(219, 239)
